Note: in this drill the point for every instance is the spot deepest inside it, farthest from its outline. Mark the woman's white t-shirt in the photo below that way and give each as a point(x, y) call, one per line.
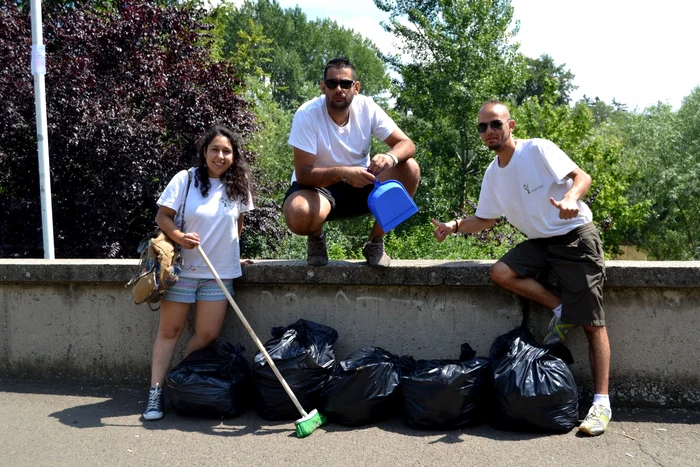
point(521, 190)
point(214, 219)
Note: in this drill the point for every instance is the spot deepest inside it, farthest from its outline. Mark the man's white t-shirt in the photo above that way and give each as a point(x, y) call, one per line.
point(214, 219)
point(521, 190)
point(314, 131)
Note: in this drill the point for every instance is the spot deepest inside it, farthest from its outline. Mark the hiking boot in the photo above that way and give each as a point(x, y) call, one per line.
point(557, 331)
point(596, 422)
point(154, 409)
point(375, 254)
point(317, 254)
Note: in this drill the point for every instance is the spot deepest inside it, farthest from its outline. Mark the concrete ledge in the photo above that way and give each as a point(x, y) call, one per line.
point(422, 272)
point(74, 319)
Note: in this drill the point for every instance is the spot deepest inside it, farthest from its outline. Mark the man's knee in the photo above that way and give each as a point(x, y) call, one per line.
point(501, 273)
point(411, 175)
point(303, 215)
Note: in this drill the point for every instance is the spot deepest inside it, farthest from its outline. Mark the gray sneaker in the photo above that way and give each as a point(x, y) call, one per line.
point(375, 254)
point(154, 409)
point(317, 254)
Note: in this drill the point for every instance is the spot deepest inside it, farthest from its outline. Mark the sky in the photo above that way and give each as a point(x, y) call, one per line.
point(638, 53)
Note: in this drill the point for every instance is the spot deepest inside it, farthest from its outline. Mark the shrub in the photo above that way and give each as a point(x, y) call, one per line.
point(130, 85)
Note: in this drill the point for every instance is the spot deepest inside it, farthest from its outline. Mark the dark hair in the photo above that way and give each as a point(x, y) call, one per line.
point(340, 63)
point(238, 179)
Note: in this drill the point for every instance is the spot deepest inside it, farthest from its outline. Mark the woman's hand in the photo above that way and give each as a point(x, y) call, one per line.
point(189, 240)
point(246, 261)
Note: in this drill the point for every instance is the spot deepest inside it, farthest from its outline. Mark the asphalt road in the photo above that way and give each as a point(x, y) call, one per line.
point(69, 424)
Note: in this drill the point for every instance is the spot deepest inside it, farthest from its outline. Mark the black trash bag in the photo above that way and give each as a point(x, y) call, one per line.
point(212, 382)
point(446, 394)
point(364, 388)
point(533, 386)
point(303, 354)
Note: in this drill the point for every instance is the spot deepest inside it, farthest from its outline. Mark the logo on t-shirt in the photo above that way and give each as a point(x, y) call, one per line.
point(526, 186)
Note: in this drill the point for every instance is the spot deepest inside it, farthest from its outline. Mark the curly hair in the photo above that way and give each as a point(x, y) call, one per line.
point(238, 178)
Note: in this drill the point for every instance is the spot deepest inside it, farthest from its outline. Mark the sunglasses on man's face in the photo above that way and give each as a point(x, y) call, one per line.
point(495, 124)
point(344, 83)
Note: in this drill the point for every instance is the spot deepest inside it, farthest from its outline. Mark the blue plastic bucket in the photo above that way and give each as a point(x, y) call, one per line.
point(390, 204)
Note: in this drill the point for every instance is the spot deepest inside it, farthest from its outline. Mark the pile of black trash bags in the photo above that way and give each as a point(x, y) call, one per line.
point(520, 386)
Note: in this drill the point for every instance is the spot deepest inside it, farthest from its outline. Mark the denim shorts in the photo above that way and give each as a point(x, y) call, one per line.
point(191, 290)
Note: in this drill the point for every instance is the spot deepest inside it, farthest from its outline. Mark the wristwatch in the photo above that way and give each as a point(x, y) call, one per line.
point(396, 159)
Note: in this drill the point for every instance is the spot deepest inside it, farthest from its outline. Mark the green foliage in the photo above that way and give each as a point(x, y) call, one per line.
point(298, 49)
point(456, 55)
point(539, 72)
point(662, 149)
point(418, 242)
point(129, 89)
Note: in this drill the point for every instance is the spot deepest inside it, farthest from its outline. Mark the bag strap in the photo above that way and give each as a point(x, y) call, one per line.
point(181, 211)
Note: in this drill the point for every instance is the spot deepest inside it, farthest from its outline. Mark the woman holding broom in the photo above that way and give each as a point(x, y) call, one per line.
point(221, 191)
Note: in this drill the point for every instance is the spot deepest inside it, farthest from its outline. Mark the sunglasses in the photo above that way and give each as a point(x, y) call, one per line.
point(344, 83)
point(495, 124)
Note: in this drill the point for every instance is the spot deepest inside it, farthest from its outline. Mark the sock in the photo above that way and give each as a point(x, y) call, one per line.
point(557, 311)
point(602, 399)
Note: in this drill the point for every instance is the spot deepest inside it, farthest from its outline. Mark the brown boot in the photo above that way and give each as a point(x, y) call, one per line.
point(374, 252)
point(316, 253)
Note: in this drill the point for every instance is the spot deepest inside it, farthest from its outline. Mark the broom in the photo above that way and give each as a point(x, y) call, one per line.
point(309, 421)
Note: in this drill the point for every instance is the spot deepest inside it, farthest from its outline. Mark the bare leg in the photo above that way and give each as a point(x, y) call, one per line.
point(305, 212)
point(599, 349)
point(528, 288)
point(172, 322)
point(209, 318)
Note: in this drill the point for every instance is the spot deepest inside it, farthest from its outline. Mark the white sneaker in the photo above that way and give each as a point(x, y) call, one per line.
point(596, 422)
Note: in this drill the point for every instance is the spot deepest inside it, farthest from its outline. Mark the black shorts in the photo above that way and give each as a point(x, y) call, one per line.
point(346, 200)
point(576, 258)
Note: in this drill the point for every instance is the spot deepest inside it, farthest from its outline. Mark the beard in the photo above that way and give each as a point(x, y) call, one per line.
point(340, 105)
point(495, 147)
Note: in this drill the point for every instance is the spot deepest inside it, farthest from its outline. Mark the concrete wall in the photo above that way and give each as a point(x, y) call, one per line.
point(75, 319)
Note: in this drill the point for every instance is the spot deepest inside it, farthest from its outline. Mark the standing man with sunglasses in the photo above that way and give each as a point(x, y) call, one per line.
point(539, 189)
point(334, 171)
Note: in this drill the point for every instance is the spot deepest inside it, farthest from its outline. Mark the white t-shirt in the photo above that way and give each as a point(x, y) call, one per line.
point(521, 190)
point(315, 132)
point(215, 219)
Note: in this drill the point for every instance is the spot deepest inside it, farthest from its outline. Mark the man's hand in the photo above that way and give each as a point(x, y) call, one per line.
point(358, 176)
point(442, 230)
point(380, 162)
point(568, 208)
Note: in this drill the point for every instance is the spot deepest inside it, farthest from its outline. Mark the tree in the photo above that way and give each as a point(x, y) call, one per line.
point(298, 49)
point(663, 149)
point(129, 88)
point(539, 70)
point(455, 54)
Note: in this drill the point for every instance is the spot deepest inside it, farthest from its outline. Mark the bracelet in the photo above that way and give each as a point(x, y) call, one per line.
point(394, 158)
point(456, 225)
point(344, 179)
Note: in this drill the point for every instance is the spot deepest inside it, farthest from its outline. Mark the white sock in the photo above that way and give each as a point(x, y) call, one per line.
point(557, 311)
point(602, 399)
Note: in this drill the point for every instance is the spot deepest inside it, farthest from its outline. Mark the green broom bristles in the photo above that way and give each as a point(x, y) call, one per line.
point(305, 426)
